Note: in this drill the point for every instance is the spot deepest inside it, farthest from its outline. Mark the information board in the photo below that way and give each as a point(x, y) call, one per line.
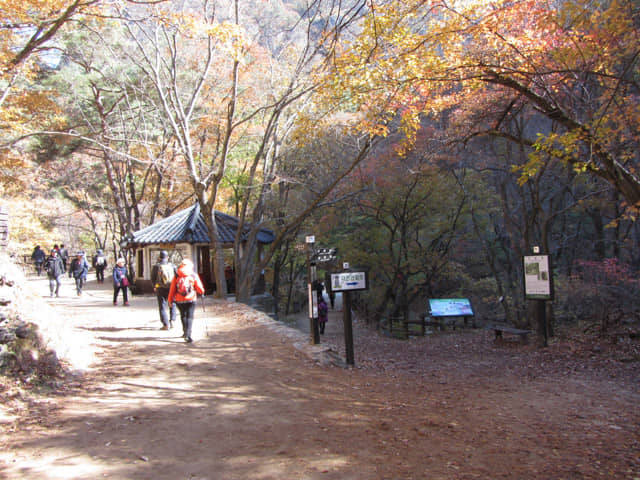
point(537, 277)
point(450, 307)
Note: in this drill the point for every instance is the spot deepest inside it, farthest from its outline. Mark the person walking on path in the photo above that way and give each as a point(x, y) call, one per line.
point(99, 262)
point(330, 292)
point(38, 256)
point(55, 270)
point(185, 287)
point(78, 269)
point(120, 282)
point(162, 274)
point(323, 311)
point(318, 287)
point(64, 256)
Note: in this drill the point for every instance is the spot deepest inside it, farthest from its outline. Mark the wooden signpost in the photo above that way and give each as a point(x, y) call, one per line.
point(347, 282)
point(538, 286)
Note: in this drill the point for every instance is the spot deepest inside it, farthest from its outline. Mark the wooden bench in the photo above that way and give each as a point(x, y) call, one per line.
point(500, 329)
point(404, 326)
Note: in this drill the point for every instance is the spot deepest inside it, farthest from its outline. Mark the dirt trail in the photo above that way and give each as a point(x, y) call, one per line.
point(243, 402)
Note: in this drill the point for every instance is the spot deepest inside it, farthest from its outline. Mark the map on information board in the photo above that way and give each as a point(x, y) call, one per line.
point(450, 307)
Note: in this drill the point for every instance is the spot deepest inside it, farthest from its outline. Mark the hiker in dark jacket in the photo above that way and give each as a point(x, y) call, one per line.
point(64, 256)
point(38, 256)
point(55, 270)
point(78, 270)
point(99, 262)
point(161, 275)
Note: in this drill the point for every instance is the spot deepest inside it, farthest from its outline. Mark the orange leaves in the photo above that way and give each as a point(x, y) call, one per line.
point(12, 168)
point(30, 10)
point(27, 28)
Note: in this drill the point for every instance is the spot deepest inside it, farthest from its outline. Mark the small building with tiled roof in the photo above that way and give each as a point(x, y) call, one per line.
point(185, 235)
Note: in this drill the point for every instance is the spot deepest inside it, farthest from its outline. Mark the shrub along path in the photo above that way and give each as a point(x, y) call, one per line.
point(244, 402)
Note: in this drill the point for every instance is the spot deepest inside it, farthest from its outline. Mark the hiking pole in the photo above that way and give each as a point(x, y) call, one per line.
point(206, 323)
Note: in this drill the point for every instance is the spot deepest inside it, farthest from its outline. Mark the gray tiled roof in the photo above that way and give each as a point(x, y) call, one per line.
point(188, 226)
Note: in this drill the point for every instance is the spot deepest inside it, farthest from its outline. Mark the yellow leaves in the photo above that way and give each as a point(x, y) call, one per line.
point(31, 11)
point(231, 38)
point(28, 222)
point(28, 110)
point(567, 147)
point(631, 212)
point(228, 37)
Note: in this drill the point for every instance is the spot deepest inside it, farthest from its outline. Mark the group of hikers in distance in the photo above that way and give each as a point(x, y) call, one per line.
point(57, 264)
point(176, 288)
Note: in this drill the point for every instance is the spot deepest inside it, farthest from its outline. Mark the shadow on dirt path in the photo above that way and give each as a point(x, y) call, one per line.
point(243, 402)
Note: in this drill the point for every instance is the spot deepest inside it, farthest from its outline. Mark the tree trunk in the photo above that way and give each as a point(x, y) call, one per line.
point(208, 213)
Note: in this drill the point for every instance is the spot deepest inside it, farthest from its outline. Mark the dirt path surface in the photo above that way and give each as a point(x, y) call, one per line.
point(248, 401)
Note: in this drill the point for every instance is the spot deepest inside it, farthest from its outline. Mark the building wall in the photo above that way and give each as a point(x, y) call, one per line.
point(147, 257)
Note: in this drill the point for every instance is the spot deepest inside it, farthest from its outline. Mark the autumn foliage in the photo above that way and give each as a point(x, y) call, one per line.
point(601, 294)
point(574, 64)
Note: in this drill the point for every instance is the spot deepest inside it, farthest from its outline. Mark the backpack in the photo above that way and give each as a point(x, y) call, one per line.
point(184, 285)
point(100, 260)
point(50, 266)
point(165, 274)
point(323, 310)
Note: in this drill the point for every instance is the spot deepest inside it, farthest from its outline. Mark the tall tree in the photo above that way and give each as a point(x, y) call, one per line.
point(192, 54)
point(119, 146)
point(291, 118)
point(228, 98)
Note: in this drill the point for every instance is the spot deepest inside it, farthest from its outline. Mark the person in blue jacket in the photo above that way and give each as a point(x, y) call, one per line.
point(120, 282)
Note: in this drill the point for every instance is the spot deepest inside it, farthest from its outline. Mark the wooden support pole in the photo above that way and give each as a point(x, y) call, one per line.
point(348, 327)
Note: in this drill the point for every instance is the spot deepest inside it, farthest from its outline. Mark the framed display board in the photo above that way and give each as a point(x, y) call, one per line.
point(450, 307)
point(349, 281)
point(537, 277)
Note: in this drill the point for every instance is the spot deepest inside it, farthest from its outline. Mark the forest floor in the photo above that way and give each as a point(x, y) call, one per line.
point(250, 399)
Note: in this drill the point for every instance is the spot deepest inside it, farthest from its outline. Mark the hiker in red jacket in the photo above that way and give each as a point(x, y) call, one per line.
point(184, 291)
